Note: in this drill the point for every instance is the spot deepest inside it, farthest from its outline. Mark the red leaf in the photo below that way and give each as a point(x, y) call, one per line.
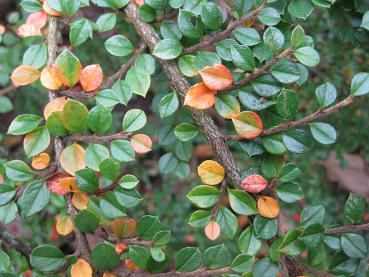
point(37, 19)
point(254, 183)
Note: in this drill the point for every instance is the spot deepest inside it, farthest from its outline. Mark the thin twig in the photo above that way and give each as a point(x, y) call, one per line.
point(210, 40)
point(14, 242)
point(347, 228)
point(96, 138)
point(129, 241)
point(303, 121)
point(202, 272)
point(7, 90)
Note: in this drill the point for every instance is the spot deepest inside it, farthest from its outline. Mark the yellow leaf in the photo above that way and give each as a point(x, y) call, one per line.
point(248, 124)
point(81, 269)
point(49, 79)
point(268, 206)
point(72, 158)
point(212, 230)
point(210, 172)
point(25, 75)
point(41, 161)
point(55, 105)
point(64, 225)
point(80, 200)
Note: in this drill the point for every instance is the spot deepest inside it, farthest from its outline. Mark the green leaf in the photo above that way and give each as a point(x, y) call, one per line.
point(109, 168)
point(365, 21)
point(354, 245)
point(162, 237)
point(265, 228)
point(227, 105)
point(300, 8)
point(6, 194)
point(247, 36)
point(326, 94)
point(139, 255)
point(122, 92)
point(146, 13)
point(248, 243)
point(205, 58)
point(343, 265)
point(360, 84)
point(95, 154)
point(266, 268)
point(271, 165)
point(5, 104)
point(8, 212)
point(86, 221)
point(242, 57)
point(289, 192)
point(36, 141)
point(35, 198)
point(47, 258)
point(168, 105)
point(185, 131)
point(242, 263)
point(31, 5)
point(313, 235)
point(146, 62)
point(66, 7)
point(99, 119)
point(354, 208)
point(296, 141)
point(128, 198)
point(148, 226)
point(188, 259)
point(139, 80)
point(290, 244)
point(110, 207)
point(122, 151)
point(168, 163)
point(128, 181)
point(103, 257)
point(199, 219)
point(269, 16)
point(87, 180)
point(70, 67)
point(217, 257)
point(252, 101)
point(18, 171)
point(168, 49)
point(35, 55)
point(241, 202)
point(287, 103)
point(186, 65)
point(297, 36)
point(266, 85)
point(170, 29)
point(55, 125)
point(323, 132)
point(312, 215)
point(156, 4)
point(75, 116)
point(274, 144)
point(227, 222)
point(24, 124)
point(289, 173)
point(80, 31)
point(273, 38)
point(134, 120)
point(224, 48)
point(119, 46)
point(285, 72)
point(307, 56)
point(157, 254)
point(211, 16)
point(115, 4)
point(106, 22)
point(190, 25)
point(204, 196)
point(4, 261)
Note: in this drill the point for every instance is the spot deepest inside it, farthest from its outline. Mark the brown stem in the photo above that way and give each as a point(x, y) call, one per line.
point(135, 241)
point(260, 71)
point(218, 205)
point(7, 90)
point(14, 242)
point(181, 86)
point(202, 272)
point(303, 121)
point(96, 138)
point(210, 40)
point(347, 228)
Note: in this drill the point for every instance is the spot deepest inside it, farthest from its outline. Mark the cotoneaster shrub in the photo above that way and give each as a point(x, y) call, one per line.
point(227, 74)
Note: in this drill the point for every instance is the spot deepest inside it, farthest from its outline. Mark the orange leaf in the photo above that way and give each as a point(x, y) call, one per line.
point(212, 230)
point(200, 97)
point(91, 77)
point(80, 200)
point(141, 143)
point(107, 274)
point(47, 9)
point(37, 19)
point(28, 30)
point(72, 158)
point(120, 247)
point(68, 184)
point(216, 77)
point(268, 206)
point(41, 161)
point(2, 179)
point(24, 75)
point(254, 183)
point(81, 269)
point(130, 265)
point(2, 29)
point(55, 105)
point(248, 124)
point(139, 2)
point(124, 227)
point(53, 183)
point(210, 172)
point(64, 225)
point(49, 79)
point(249, 22)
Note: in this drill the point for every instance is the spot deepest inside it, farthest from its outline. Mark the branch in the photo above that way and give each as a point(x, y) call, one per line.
point(260, 71)
point(181, 86)
point(202, 272)
point(96, 138)
point(210, 40)
point(303, 121)
point(7, 90)
point(297, 269)
point(347, 228)
point(136, 241)
point(14, 242)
